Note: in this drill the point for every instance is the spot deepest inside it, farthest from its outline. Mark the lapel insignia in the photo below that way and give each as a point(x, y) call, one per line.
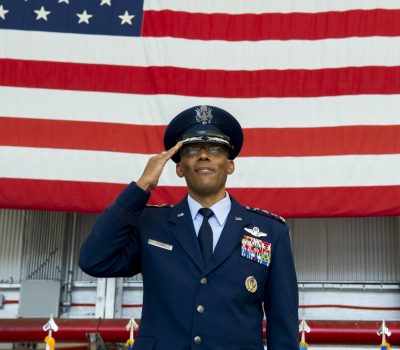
point(238, 218)
point(180, 215)
point(256, 250)
point(251, 284)
point(255, 231)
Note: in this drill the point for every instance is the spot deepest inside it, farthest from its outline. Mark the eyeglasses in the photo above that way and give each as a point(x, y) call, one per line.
point(194, 150)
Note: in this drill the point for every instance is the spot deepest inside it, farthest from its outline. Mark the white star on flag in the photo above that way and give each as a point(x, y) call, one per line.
point(105, 2)
point(84, 17)
point(42, 13)
point(126, 18)
point(66, 1)
point(3, 12)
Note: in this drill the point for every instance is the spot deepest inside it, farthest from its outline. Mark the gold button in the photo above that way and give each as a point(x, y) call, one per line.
point(203, 281)
point(200, 309)
point(197, 340)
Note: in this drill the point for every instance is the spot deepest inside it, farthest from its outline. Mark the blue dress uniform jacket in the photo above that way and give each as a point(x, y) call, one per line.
point(187, 305)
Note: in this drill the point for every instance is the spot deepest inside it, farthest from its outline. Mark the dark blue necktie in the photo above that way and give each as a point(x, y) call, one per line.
point(206, 235)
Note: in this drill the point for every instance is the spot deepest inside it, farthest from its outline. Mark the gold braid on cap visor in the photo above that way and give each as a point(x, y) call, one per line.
point(206, 139)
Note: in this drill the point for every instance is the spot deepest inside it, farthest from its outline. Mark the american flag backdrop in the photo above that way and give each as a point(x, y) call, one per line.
point(88, 86)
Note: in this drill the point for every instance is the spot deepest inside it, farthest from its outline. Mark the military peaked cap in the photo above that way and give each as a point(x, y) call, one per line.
point(204, 124)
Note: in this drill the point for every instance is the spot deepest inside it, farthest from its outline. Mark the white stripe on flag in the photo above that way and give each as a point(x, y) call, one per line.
point(251, 113)
point(280, 172)
point(200, 54)
point(263, 6)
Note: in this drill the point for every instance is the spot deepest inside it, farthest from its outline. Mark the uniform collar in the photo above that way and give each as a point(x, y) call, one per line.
point(221, 209)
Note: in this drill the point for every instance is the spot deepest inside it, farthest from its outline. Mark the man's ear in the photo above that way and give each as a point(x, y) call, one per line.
point(179, 170)
point(231, 166)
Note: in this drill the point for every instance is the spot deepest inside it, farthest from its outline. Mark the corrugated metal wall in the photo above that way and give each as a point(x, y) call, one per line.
point(347, 249)
point(37, 245)
point(42, 254)
point(84, 223)
point(12, 223)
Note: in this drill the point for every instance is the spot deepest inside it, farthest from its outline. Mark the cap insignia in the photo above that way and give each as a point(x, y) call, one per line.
point(203, 115)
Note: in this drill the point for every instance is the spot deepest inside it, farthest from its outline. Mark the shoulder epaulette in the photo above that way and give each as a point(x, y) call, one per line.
point(266, 213)
point(160, 205)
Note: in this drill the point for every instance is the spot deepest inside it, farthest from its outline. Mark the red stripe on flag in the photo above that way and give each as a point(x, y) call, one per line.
point(288, 202)
point(271, 26)
point(81, 135)
point(145, 139)
point(324, 141)
point(196, 82)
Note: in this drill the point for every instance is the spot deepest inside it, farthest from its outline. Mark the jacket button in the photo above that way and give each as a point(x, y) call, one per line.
point(203, 281)
point(197, 340)
point(200, 309)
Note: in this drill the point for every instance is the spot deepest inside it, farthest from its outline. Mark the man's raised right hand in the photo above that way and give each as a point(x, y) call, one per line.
point(154, 168)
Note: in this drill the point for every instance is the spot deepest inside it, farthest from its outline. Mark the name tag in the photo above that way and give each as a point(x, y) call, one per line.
point(160, 244)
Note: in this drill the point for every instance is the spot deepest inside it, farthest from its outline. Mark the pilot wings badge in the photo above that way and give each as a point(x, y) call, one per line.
point(255, 231)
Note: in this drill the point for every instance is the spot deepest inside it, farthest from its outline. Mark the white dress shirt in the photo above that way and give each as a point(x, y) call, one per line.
point(221, 210)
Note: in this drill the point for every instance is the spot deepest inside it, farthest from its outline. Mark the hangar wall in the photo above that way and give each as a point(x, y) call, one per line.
point(352, 261)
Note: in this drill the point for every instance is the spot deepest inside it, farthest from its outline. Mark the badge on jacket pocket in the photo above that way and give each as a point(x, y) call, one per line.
point(251, 284)
point(256, 250)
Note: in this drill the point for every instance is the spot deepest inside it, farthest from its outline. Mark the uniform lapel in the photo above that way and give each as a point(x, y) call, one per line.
point(230, 236)
point(183, 229)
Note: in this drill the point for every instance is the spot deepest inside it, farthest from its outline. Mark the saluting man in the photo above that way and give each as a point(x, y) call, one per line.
point(211, 267)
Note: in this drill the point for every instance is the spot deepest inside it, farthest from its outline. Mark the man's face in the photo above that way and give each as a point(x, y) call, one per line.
point(205, 167)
